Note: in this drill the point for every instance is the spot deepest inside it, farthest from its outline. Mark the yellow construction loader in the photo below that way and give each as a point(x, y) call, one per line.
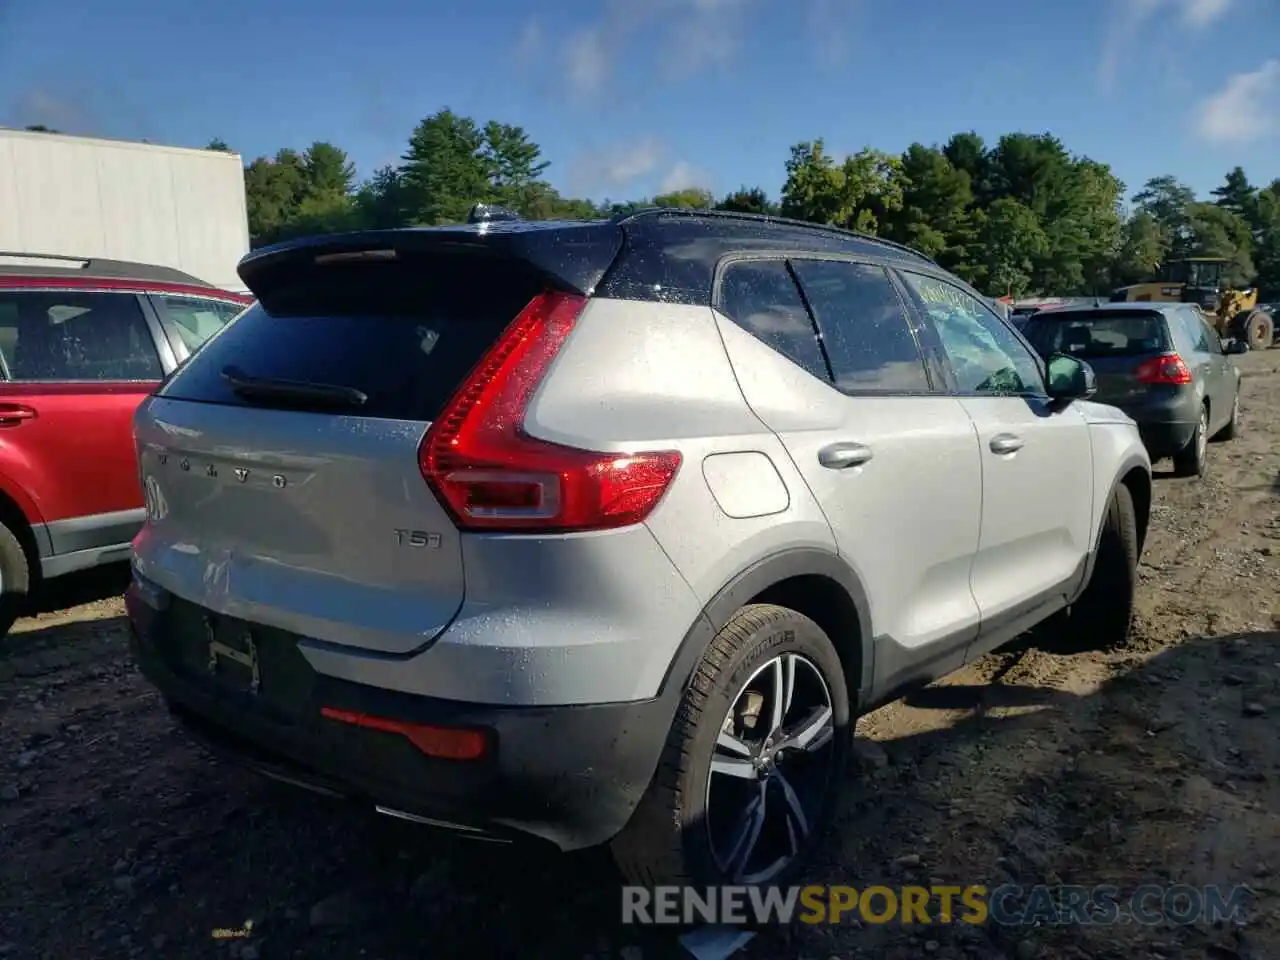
point(1199, 280)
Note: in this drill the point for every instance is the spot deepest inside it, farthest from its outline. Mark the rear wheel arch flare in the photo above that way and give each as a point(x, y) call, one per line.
point(13, 517)
point(811, 581)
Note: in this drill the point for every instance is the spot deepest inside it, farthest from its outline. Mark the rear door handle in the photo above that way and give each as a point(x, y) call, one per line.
point(1006, 443)
point(12, 414)
point(841, 456)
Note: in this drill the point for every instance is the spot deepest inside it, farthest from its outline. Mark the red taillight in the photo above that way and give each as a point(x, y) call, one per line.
point(444, 743)
point(491, 475)
point(1166, 369)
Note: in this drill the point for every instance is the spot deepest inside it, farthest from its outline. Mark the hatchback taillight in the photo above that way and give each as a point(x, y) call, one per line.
point(491, 475)
point(1166, 369)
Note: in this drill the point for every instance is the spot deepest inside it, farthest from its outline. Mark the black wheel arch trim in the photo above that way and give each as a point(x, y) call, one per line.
point(1133, 462)
point(750, 582)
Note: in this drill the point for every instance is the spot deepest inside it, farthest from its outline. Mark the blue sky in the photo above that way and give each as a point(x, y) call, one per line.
point(628, 97)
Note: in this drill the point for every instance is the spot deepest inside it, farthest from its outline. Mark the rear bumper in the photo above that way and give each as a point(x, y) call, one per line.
point(1164, 439)
point(1166, 419)
point(568, 776)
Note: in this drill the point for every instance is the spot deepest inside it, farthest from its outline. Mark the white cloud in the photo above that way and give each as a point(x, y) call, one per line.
point(1201, 13)
point(615, 168)
point(1246, 109)
point(588, 62)
point(830, 24)
point(1136, 25)
point(684, 176)
point(529, 43)
point(687, 37)
point(705, 35)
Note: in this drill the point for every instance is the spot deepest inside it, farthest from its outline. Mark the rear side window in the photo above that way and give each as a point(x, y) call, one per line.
point(864, 327)
point(195, 319)
point(1094, 336)
point(1197, 331)
point(76, 336)
point(761, 297)
point(404, 334)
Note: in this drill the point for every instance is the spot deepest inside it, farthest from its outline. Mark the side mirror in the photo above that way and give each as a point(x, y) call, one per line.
point(1236, 347)
point(1070, 378)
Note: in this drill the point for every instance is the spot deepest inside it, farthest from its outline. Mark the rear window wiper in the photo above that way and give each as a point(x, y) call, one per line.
point(295, 391)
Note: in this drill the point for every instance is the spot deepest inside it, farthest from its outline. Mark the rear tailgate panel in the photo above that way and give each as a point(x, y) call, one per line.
point(316, 519)
point(292, 519)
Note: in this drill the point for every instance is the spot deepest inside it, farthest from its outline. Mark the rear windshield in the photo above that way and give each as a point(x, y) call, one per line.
point(404, 334)
point(1097, 335)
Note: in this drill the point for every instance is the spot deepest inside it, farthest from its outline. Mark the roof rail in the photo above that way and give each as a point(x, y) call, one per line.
point(58, 264)
point(622, 218)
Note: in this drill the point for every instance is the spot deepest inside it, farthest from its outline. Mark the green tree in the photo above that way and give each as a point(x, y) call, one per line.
point(329, 171)
point(514, 166)
point(1215, 231)
point(692, 198)
point(1084, 226)
point(274, 186)
point(1011, 241)
point(968, 152)
point(379, 200)
point(219, 146)
point(814, 187)
point(445, 171)
point(1238, 195)
point(1267, 245)
point(856, 194)
point(1142, 249)
point(40, 128)
point(1166, 199)
point(541, 201)
point(934, 217)
point(873, 188)
point(748, 200)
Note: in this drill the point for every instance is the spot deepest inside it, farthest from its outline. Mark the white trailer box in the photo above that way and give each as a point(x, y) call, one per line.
point(117, 200)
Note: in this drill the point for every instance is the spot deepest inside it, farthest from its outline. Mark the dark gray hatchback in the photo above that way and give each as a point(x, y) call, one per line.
point(1162, 364)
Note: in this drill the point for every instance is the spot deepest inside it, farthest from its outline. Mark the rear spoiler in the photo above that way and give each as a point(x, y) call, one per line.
point(570, 255)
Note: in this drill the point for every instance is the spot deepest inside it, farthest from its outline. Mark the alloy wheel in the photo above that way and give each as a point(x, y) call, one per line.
point(770, 771)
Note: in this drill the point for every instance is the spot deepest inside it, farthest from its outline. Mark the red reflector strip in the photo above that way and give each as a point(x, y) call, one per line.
point(445, 743)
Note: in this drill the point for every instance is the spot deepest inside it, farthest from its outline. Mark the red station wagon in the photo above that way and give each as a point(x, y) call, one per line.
point(82, 342)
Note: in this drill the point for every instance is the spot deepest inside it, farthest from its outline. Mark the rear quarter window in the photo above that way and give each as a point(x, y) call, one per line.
point(762, 298)
point(195, 319)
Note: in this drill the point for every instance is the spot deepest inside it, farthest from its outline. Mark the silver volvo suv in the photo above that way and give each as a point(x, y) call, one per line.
point(605, 532)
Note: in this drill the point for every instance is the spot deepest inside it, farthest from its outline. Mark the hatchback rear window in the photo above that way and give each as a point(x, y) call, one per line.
point(403, 334)
point(1097, 335)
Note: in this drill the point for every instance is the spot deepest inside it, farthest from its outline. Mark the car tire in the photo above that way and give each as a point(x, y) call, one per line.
point(1102, 617)
point(15, 579)
point(1232, 429)
point(680, 832)
point(1193, 459)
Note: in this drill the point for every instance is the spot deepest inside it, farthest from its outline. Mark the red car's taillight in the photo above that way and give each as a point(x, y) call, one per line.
point(491, 475)
point(1167, 369)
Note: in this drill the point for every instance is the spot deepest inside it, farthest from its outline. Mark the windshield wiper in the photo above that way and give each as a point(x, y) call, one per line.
point(294, 391)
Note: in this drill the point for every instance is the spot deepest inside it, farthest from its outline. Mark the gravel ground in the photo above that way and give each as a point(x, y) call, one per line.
point(1156, 763)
